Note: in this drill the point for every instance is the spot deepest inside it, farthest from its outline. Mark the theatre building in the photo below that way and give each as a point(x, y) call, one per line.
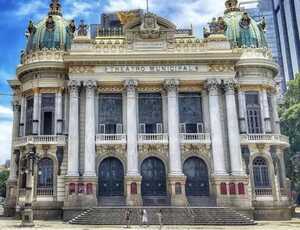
point(136, 112)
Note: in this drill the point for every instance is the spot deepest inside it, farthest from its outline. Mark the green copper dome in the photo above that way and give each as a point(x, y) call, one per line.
point(241, 30)
point(53, 32)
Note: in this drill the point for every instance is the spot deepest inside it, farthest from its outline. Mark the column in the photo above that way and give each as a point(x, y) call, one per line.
point(131, 107)
point(90, 156)
point(35, 125)
point(242, 112)
point(73, 141)
point(233, 129)
point(22, 117)
point(173, 126)
point(216, 128)
point(16, 116)
point(275, 113)
point(59, 113)
point(266, 110)
point(205, 109)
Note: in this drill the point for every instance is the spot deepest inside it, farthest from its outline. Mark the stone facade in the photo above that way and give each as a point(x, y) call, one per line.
point(239, 123)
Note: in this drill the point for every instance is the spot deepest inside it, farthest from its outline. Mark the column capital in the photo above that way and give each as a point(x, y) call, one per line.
point(60, 90)
point(213, 85)
point(171, 84)
point(90, 84)
point(130, 85)
point(35, 90)
point(230, 85)
point(74, 85)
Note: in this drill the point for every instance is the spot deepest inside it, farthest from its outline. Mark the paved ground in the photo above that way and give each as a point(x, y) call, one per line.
point(294, 224)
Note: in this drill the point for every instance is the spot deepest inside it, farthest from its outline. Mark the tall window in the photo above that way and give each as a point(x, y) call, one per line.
point(48, 111)
point(253, 112)
point(29, 116)
point(150, 113)
point(190, 113)
point(261, 173)
point(45, 177)
point(110, 113)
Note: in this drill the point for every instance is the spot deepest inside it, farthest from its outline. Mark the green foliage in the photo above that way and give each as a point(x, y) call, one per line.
point(290, 124)
point(3, 178)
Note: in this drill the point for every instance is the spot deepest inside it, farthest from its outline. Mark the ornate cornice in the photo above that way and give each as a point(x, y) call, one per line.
point(220, 68)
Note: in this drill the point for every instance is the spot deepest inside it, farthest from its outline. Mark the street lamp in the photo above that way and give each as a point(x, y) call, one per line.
point(31, 159)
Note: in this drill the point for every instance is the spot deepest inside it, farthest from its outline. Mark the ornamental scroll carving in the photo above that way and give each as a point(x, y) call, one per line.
point(131, 85)
point(220, 68)
point(74, 86)
point(195, 148)
point(230, 85)
point(171, 85)
point(111, 149)
point(82, 69)
point(160, 149)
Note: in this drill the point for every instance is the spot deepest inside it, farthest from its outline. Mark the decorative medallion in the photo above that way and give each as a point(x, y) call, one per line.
point(82, 69)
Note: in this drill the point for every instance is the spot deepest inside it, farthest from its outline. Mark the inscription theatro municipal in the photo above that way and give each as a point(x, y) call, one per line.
point(151, 68)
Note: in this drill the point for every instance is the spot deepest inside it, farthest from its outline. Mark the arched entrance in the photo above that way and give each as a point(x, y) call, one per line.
point(197, 183)
point(153, 177)
point(111, 177)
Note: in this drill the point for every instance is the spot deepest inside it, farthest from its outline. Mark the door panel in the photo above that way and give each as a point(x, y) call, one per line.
point(197, 183)
point(111, 178)
point(153, 177)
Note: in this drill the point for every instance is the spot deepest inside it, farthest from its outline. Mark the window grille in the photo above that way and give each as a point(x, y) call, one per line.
point(253, 112)
point(261, 173)
point(45, 177)
point(159, 128)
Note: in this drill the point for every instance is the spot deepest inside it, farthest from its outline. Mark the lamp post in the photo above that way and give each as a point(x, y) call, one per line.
point(31, 160)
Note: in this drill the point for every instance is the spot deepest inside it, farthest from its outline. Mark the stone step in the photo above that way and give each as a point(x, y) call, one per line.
point(171, 216)
point(156, 201)
point(201, 201)
point(112, 201)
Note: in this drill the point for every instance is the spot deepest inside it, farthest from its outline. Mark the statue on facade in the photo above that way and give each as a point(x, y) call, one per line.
point(262, 25)
point(82, 29)
point(50, 23)
point(149, 28)
point(31, 29)
point(216, 26)
point(245, 21)
point(72, 27)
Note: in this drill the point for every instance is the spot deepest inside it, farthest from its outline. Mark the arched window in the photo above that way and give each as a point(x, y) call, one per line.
point(232, 190)
point(261, 173)
point(45, 177)
point(89, 188)
point(241, 189)
point(223, 188)
point(72, 188)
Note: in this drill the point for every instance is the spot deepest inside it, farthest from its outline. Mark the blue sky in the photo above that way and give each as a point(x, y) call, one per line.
point(15, 15)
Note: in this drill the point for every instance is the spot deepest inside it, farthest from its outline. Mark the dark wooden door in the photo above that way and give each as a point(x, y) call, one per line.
point(111, 178)
point(153, 177)
point(197, 183)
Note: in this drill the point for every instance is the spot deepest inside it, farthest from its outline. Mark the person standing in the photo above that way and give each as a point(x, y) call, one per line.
point(160, 219)
point(127, 217)
point(145, 218)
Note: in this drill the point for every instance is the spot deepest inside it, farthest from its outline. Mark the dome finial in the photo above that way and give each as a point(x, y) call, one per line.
point(55, 8)
point(231, 5)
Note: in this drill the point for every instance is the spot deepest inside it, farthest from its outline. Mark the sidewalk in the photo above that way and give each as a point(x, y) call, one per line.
point(294, 224)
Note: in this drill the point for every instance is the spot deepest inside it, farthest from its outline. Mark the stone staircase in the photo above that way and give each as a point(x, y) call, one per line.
point(112, 201)
point(171, 216)
point(201, 201)
point(150, 201)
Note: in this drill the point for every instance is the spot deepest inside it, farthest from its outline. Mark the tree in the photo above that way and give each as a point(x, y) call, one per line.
point(290, 124)
point(3, 179)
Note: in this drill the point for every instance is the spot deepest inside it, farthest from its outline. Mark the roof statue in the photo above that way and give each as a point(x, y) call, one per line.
point(55, 8)
point(127, 16)
point(82, 29)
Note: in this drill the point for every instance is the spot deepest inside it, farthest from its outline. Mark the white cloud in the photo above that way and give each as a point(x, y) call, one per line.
point(32, 7)
point(181, 12)
point(5, 140)
point(5, 112)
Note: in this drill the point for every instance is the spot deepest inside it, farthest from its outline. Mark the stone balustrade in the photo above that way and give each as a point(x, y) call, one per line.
point(274, 139)
point(111, 139)
point(195, 138)
point(40, 140)
point(153, 138)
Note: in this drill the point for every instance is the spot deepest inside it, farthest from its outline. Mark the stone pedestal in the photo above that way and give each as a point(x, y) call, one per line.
point(27, 217)
point(11, 198)
point(80, 192)
point(133, 190)
point(177, 190)
point(232, 191)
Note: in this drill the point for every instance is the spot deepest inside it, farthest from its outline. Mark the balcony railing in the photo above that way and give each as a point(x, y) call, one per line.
point(263, 192)
point(110, 139)
point(265, 139)
point(195, 138)
point(153, 138)
point(41, 140)
point(44, 192)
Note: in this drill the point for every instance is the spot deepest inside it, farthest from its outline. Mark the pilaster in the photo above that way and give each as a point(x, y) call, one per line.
point(35, 125)
point(58, 111)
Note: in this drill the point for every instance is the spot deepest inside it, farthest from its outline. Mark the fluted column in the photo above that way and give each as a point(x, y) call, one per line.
point(275, 113)
point(216, 127)
point(132, 153)
point(35, 125)
point(173, 126)
point(242, 112)
point(90, 156)
point(233, 129)
point(22, 117)
point(59, 113)
point(266, 110)
point(73, 143)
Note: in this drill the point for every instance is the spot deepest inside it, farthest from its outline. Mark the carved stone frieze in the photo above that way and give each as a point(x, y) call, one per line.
point(111, 149)
point(150, 88)
point(195, 148)
point(220, 68)
point(82, 69)
point(110, 89)
point(43, 55)
point(153, 148)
